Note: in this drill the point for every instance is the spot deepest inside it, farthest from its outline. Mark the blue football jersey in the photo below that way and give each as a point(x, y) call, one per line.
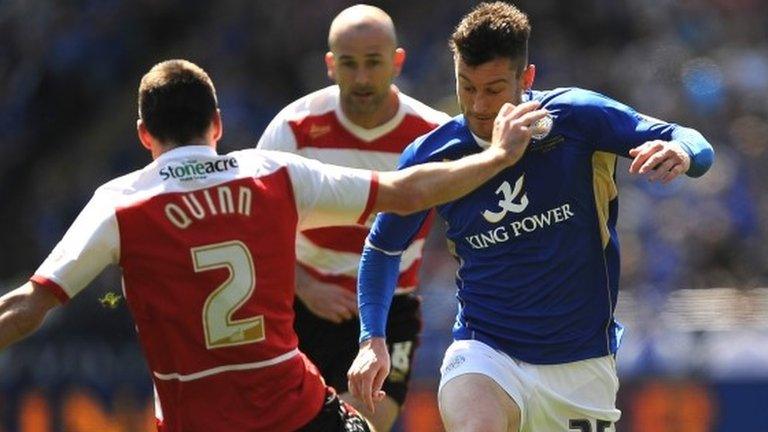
point(537, 245)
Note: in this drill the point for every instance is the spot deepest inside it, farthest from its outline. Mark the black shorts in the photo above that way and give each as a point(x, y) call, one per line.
point(336, 416)
point(333, 347)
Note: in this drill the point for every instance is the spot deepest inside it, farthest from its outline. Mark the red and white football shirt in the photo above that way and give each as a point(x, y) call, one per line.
point(315, 127)
point(206, 243)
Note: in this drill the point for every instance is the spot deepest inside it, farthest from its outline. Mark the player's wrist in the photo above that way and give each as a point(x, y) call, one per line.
point(684, 153)
point(497, 157)
point(370, 341)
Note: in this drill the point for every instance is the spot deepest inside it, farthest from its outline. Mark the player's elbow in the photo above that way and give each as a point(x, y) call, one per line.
point(701, 162)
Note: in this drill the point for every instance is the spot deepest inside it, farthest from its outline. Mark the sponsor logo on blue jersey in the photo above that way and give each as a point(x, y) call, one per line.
point(515, 200)
point(507, 201)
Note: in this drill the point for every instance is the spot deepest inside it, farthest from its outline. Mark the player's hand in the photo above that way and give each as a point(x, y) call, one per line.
point(368, 372)
point(329, 302)
point(661, 160)
point(513, 126)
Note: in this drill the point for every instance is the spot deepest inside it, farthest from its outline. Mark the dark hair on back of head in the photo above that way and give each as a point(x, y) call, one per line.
point(490, 31)
point(177, 101)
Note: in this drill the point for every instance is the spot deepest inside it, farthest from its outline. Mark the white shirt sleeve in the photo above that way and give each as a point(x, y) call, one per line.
point(90, 244)
point(278, 135)
point(329, 195)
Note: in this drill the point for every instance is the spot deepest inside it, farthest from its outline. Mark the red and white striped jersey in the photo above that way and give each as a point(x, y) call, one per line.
point(315, 127)
point(206, 244)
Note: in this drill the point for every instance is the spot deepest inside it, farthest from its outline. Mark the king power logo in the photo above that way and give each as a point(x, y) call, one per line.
point(507, 201)
point(514, 200)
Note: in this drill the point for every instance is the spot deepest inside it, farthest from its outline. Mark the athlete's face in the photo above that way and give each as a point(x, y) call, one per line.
point(363, 62)
point(483, 89)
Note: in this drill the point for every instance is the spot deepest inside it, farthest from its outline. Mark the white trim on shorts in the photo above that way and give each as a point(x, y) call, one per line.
point(540, 391)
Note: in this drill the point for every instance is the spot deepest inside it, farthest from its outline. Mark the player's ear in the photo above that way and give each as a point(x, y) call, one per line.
point(398, 60)
point(330, 65)
point(529, 74)
point(218, 126)
point(144, 136)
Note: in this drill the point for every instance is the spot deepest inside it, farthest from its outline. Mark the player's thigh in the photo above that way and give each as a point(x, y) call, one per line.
point(403, 329)
point(475, 402)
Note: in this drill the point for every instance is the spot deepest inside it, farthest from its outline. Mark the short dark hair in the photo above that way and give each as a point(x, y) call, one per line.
point(177, 101)
point(492, 30)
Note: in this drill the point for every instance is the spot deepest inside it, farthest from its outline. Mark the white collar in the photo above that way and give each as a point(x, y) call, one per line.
point(375, 133)
point(481, 142)
point(186, 151)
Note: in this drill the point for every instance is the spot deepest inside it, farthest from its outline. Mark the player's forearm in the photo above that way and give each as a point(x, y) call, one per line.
point(424, 186)
point(21, 313)
point(376, 282)
point(701, 152)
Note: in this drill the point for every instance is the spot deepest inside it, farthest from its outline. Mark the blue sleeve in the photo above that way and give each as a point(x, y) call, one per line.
point(376, 282)
point(380, 267)
point(701, 152)
point(617, 128)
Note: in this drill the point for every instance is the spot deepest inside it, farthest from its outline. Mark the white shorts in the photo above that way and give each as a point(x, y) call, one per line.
point(569, 397)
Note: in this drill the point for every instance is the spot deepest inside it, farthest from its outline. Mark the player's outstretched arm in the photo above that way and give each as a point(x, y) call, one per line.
point(424, 186)
point(22, 311)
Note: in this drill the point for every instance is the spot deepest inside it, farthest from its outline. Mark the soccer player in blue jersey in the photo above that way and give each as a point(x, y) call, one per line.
point(535, 335)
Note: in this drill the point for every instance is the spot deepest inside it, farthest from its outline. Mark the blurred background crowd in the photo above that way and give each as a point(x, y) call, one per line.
point(694, 253)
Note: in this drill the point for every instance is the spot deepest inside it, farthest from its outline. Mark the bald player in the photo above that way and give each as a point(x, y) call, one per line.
point(362, 121)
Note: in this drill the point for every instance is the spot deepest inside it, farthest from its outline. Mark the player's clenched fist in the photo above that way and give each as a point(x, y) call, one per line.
point(512, 127)
point(368, 371)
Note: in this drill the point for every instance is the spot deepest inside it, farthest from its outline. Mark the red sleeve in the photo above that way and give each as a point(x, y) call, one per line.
point(372, 193)
point(52, 286)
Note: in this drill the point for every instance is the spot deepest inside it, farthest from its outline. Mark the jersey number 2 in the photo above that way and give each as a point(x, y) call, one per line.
point(221, 330)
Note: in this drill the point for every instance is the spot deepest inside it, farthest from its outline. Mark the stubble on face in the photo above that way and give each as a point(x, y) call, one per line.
point(364, 99)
